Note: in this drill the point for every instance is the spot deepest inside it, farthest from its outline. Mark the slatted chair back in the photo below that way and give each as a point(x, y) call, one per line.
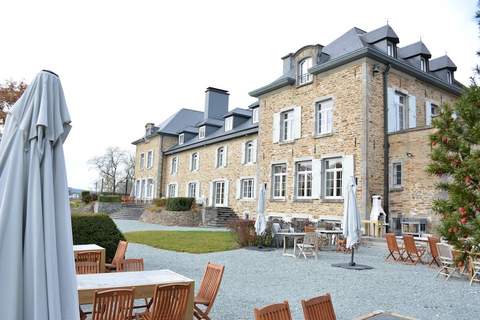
point(310, 238)
point(90, 256)
point(432, 244)
point(113, 305)
point(444, 251)
point(127, 265)
point(309, 229)
point(409, 243)
point(86, 267)
point(278, 311)
point(169, 302)
point(319, 308)
point(120, 253)
point(210, 285)
point(392, 242)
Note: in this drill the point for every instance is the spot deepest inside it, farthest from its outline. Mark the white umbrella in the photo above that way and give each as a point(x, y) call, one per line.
point(37, 271)
point(260, 223)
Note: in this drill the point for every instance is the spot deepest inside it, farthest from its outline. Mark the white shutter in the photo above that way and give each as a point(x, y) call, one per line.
point(176, 190)
point(238, 188)
point(210, 195)
point(412, 111)
point(254, 153)
point(348, 171)
point(242, 146)
point(225, 153)
point(276, 127)
point(428, 113)
point(197, 192)
point(297, 122)
point(226, 194)
point(392, 111)
point(316, 178)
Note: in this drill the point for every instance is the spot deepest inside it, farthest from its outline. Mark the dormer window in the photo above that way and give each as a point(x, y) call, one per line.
point(201, 132)
point(181, 138)
point(423, 64)
point(449, 77)
point(228, 123)
point(255, 115)
point(391, 49)
point(303, 75)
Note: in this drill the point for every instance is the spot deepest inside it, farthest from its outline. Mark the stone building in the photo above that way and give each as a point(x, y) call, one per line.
point(359, 107)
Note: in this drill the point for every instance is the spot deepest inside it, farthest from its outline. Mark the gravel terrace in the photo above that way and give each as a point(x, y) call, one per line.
point(254, 279)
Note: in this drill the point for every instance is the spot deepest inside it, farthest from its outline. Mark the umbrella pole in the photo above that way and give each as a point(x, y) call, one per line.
point(353, 253)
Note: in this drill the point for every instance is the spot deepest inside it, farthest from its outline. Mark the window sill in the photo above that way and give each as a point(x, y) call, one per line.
point(396, 189)
point(304, 83)
point(249, 164)
point(323, 135)
point(286, 142)
point(247, 199)
point(278, 200)
point(303, 200)
point(332, 200)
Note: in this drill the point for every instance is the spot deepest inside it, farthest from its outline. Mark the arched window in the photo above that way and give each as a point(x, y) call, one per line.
point(303, 75)
point(220, 157)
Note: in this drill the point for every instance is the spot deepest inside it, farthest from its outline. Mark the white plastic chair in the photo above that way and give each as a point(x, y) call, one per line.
point(447, 261)
point(309, 245)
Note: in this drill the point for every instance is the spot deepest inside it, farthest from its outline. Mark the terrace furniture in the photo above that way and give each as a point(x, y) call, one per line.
point(394, 250)
point(113, 304)
point(119, 255)
point(169, 302)
point(432, 243)
point(278, 311)
point(382, 315)
point(414, 253)
point(127, 265)
point(208, 290)
point(310, 229)
point(319, 308)
point(331, 237)
point(87, 262)
point(309, 246)
point(144, 282)
point(276, 229)
point(91, 247)
point(475, 267)
point(296, 236)
point(448, 266)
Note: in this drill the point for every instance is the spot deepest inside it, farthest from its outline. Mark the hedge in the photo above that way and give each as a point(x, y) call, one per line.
point(98, 229)
point(179, 204)
point(109, 198)
point(86, 196)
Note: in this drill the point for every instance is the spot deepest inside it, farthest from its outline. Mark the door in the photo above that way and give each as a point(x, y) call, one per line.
point(219, 193)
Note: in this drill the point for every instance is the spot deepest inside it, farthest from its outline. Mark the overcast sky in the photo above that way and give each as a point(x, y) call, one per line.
point(123, 64)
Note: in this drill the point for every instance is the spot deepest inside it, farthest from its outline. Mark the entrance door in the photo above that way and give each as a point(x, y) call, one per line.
point(219, 193)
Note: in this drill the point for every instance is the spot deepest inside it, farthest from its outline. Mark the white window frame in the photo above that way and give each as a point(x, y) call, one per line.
point(324, 117)
point(201, 132)
point(181, 138)
point(449, 77)
point(138, 189)
point(282, 177)
point(143, 185)
point(395, 184)
point(249, 152)
point(194, 161)
point(287, 125)
point(228, 123)
point(150, 187)
point(307, 177)
point(391, 49)
point(434, 106)
point(189, 186)
point(247, 188)
point(303, 76)
point(220, 157)
point(255, 114)
point(150, 159)
point(335, 178)
point(174, 166)
point(402, 110)
point(142, 161)
point(214, 195)
point(171, 186)
point(423, 64)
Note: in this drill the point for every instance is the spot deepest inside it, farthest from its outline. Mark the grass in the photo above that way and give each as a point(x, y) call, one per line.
point(185, 241)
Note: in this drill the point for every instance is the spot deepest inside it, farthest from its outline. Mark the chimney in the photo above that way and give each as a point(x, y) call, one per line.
point(216, 103)
point(288, 65)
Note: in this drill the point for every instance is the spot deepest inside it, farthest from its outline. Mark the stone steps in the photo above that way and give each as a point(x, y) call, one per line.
point(222, 218)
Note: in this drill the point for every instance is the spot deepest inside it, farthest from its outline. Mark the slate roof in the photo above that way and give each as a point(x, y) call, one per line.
point(441, 63)
point(211, 121)
point(246, 113)
point(348, 42)
point(381, 33)
point(181, 119)
point(414, 49)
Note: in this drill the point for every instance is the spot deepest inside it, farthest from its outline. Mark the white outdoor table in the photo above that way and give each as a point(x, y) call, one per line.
point(91, 247)
point(295, 236)
point(419, 239)
point(330, 234)
point(143, 281)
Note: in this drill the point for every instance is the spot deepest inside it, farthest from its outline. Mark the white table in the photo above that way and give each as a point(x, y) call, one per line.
point(330, 234)
point(143, 281)
point(91, 247)
point(295, 236)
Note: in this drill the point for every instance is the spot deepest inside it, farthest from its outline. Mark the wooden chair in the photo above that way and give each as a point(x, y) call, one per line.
point(127, 265)
point(208, 290)
point(432, 243)
point(319, 308)
point(91, 256)
point(448, 265)
point(309, 245)
point(393, 248)
point(278, 311)
point(113, 305)
point(119, 255)
point(414, 253)
point(475, 268)
point(169, 302)
point(87, 262)
point(309, 229)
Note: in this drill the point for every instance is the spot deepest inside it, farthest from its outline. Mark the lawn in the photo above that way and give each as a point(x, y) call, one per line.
point(185, 241)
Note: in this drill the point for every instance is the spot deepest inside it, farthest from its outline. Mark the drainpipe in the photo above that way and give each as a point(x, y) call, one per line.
point(386, 146)
point(161, 159)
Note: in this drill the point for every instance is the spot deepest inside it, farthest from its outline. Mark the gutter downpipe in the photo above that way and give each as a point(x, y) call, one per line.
point(386, 147)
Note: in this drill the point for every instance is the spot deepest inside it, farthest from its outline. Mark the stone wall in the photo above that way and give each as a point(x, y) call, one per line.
point(107, 207)
point(172, 218)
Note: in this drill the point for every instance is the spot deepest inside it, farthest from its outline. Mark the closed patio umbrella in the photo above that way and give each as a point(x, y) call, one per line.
point(260, 222)
point(37, 271)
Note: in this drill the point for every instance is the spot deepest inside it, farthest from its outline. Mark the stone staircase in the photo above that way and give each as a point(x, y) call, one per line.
point(219, 217)
point(129, 211)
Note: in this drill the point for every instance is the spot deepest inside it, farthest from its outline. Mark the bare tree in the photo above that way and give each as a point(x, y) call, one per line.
point(109, 167)
point(128, 173)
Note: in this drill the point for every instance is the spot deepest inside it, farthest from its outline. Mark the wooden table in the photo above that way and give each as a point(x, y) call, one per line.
point(143, 281)
point(295, 236)
point(382, 315)
point(91, 247)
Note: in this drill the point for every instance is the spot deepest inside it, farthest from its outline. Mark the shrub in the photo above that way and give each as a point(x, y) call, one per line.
point(86, 196)
point(94, 197)
point(109, 198)
point(179, 204)
point(244, 231)
point(159, 202)
point(98, 229)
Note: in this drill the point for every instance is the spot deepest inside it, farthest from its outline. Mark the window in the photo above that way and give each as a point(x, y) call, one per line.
point(255, 115)
point(201, 132)
point(138, 190)
point(247, 188)
point(142, 160)
point(192, 190)
point(449, 77)
point(402, 111)
point(219, 193)
point(194, 162)
point(396, 175)
point(279, 180)
point(286, 125)
point(172, 190)
point(434, 110)
point(174, 166)
point(228, 123)
point(391, 49)
point(304, 179)
point(333, 178)
point(149, 159)
point(181, 138)
point(142, 189)
point(423, 64)
point(150, 189)
point(303, 75)
point(324, 115)
point(220, 157)
point(249, 152)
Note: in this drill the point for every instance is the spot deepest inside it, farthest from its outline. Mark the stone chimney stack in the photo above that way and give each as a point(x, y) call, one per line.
point(216, 103)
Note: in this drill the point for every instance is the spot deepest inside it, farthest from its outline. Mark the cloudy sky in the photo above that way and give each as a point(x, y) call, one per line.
point(125, 63)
